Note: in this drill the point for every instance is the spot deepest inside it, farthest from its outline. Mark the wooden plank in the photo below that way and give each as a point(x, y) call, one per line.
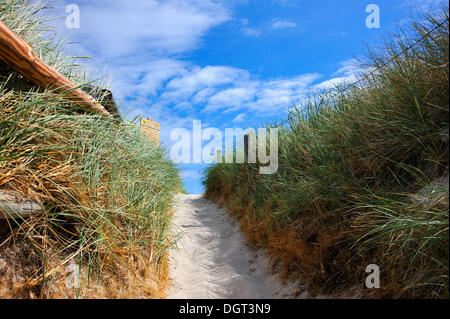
point(16, 206)
point(16, 53)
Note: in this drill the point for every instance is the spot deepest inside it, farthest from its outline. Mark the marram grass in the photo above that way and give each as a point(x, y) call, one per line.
point(362, 178)
point(107, 190)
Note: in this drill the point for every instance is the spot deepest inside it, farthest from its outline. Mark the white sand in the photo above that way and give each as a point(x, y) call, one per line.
point(212, 260)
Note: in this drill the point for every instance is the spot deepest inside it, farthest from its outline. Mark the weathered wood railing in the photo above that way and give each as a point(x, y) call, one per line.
point(16, 53)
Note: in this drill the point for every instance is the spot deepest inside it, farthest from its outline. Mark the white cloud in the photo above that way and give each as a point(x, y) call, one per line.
point(278, 23)
point(231, 98)
point(143, 78)
point(348, 67)
point(224, 89)
point(198, 79)
point(120, 28)
point(348, 72)
point(280, 93)
point(274, 24)
point(332, 83)
point(263, 97)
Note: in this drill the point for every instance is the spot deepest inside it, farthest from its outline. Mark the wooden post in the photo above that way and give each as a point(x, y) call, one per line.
point(246, 141)
point(16, 206)
point(16, 53)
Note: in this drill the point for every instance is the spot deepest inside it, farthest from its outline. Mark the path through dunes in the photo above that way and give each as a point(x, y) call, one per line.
point(212, 260)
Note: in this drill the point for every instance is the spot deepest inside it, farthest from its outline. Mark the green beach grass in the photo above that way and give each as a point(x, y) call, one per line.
point(106, 190)
point(362, 177)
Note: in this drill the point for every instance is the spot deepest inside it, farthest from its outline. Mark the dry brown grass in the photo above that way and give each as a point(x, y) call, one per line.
point(45, 165)
point(133, 276)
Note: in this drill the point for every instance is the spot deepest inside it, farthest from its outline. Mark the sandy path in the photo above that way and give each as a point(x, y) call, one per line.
point(212, 260)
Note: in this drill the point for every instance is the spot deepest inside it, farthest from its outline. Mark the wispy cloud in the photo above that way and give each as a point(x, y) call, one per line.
point(274, 24)
point(348, 68)
point(119, 28)
point(196, 79)
point(226, 89)
point(216, 90)
point(240, 118)
point(278, 23)
point(347, 72)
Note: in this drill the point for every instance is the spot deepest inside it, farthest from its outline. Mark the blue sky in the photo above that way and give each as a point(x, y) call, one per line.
point(234, 63)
